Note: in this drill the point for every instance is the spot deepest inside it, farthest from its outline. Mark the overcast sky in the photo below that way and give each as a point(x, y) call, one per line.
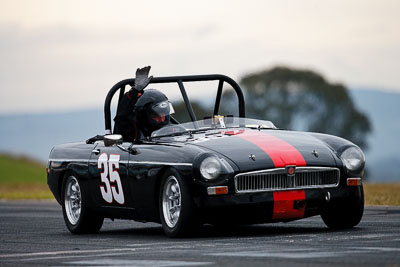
point(64, 55)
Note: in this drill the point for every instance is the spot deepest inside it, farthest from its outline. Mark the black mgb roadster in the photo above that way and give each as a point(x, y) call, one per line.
point(221, 169)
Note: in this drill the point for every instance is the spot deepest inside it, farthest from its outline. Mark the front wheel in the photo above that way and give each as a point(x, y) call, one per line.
point(177, 210)
point(345, 215)
point(77, 216)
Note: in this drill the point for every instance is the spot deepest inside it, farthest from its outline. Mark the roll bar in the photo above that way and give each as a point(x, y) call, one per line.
point(179, 80)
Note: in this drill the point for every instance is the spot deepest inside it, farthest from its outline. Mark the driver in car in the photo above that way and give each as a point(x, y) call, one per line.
point(141, 112)
point(153, 111)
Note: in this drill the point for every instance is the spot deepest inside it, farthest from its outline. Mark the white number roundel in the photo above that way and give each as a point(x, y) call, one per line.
point(111, 187)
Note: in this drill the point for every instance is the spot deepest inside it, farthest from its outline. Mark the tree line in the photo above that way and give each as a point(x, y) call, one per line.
point(294, 99)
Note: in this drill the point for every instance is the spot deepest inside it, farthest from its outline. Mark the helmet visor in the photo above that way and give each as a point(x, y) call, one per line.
point(163, 108)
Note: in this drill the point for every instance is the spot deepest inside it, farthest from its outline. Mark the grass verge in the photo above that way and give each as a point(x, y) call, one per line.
point(25, 191)
point(23, 178)
point(21, 170)
point(382, 194)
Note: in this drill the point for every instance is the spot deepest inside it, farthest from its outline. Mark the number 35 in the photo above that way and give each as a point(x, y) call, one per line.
point(111, 187)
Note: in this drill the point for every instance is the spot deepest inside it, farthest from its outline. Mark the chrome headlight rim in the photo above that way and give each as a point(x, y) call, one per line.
point(223, 170)
point(210, 168)
point(353, 159)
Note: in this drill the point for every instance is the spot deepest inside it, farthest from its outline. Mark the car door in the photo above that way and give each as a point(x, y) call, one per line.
point(108, 170)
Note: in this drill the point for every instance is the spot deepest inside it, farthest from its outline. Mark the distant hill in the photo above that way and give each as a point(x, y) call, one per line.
point(34, 135)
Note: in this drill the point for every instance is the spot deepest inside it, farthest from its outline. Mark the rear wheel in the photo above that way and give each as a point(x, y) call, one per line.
point(77, 215)
point(177, 210)
point(345, 215)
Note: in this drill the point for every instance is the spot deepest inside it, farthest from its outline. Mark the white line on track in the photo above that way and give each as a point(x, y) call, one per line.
point(96, 252)
point(381, 249)
point(137, 263)
point(65, 252)
point(77, 256)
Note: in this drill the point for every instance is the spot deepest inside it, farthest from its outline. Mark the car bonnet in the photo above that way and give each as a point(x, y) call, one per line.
point(266, 149)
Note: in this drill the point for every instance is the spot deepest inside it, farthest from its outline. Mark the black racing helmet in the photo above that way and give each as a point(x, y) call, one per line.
point(153, 109)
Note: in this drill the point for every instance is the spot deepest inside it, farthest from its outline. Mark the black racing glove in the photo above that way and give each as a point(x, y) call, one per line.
point(127, 103)
point(142, 79)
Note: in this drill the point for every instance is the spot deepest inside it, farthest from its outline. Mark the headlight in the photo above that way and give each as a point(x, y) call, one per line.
point(353, 158)
point(210, 168)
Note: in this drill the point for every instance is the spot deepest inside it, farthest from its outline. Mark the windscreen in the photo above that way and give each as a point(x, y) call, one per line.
point(216, 122)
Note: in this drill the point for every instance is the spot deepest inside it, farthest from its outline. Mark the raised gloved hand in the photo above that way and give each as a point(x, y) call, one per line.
point(142, 78)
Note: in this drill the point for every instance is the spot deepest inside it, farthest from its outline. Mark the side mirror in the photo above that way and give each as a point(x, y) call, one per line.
point(112, 139)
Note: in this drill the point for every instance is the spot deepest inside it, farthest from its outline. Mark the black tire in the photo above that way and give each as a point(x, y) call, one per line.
point(345, 215)
point(176, 207)
point(77, 215)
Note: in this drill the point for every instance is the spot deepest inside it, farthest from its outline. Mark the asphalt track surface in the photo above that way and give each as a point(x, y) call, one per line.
point(33, 233)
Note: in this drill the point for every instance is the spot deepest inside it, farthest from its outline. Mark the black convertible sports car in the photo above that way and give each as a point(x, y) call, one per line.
point(218, 170)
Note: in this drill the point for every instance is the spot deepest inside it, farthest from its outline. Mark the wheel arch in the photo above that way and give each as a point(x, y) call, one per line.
point(157, 186)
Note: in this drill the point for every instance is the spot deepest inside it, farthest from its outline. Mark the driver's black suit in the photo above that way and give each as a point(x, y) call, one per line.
point(125, 120)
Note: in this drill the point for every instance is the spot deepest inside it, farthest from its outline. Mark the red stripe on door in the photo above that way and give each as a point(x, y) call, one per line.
point(281, 152)
point(289, 204)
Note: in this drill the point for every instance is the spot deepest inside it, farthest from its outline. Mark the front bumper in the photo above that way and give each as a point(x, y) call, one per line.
point(276, 205)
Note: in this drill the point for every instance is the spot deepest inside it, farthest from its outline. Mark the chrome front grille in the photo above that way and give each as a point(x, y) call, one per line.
point(278, 179)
